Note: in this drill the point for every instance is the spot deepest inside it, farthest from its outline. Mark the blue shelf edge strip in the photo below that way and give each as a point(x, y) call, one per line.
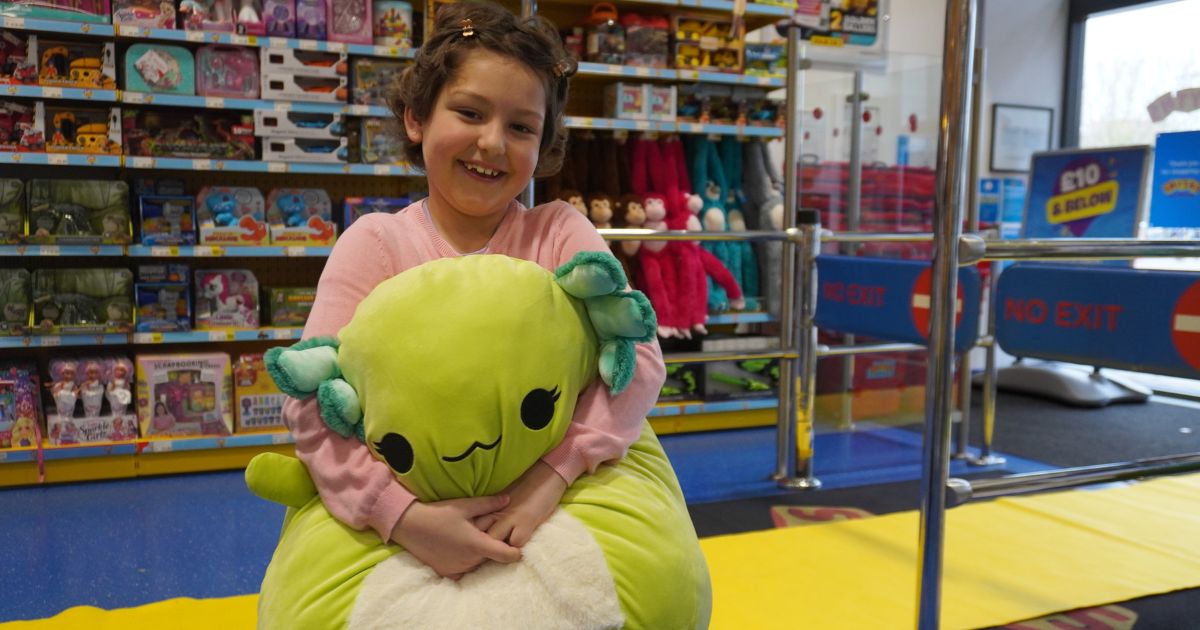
point(691, 408)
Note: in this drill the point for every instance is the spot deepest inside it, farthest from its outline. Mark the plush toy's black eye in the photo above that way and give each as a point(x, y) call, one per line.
point(537, 410)
point(396, 451)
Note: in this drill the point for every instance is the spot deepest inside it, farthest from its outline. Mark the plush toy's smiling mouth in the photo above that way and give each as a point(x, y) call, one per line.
point(471, 449)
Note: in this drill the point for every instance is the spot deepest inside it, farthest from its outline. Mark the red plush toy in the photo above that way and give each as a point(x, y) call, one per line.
point(657, 277)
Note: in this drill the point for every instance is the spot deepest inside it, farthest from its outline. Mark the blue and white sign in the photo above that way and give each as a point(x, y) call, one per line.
point(1087, 193)
point(1175, 200)
point(1146, 321)
point(890, 299)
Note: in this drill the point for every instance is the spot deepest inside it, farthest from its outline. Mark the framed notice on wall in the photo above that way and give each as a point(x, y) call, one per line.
point(1018, 131)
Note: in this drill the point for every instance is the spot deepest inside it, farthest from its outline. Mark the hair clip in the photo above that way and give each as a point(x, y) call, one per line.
point(468, 28)
point(563, 68)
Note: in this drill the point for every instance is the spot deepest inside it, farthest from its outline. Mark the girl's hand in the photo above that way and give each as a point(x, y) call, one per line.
point(443, 535)
point(534, 498)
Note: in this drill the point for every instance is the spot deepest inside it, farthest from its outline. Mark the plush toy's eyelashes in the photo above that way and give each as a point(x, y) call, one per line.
point(396, 451)
point(537, 409)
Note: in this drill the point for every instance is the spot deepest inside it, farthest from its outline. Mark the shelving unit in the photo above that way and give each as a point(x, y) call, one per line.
point(158, 456)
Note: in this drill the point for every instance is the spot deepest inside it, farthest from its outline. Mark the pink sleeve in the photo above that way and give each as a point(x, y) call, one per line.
point(604, 426)
point(356, 488)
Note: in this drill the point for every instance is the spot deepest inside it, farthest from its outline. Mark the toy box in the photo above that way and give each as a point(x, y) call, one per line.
point(279, 17)
point(231, 216)
point(189, 134)
point(164, 273)
point(12, 210)
point(707, 43)
point(766, 60)
point(684, 382)
point(379, 142)
point(207, 15)
point(160, 69)
point(647, 40)
point(349, 21)
point(15, 302)
point(259, 402)
point(305, 150)
point(92, 11)
point(226, 298)
point(248, 20)
point(372, 78)
point(750, 378)
point(18, 58)
point(289, 87)
point(626, 101)
point(167, 219)
point(84, 130)
point(303, 63)
point(83, 301)
point(660, 102)
point(22, 127)
point(289, 306)
point(269, 123)
point(163, 307)
point(20, 405)
point(311, 16)
point(91, 400)
point(77, 64)
point(144, 13)
point(184, 394)
point(393, 23)
point(230, 71)
point(355, 207)
point(78, 211)
point(300, 216)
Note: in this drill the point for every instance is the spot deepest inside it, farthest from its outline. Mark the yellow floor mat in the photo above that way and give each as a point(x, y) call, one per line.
point(1005, 561)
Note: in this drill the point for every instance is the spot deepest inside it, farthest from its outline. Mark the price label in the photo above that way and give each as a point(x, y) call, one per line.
point(283, 333)
point(277, 42)
point(689, 75)
point(308, 44)
point(764, 80)
point(52, 341)
point(220, 335)
point(641, 125)
point(240, 40)
point(337, 47)
point(133, 97)
point(642, 72)
point(14, 22)
point(277, 167)
point(142, 162)
point(276, 438)
point(146, 338)
point(3, 456)
point(389, 52)
point(586, 122)
point(160, 251)
point(52, 92)
point(382, 169)
point(214, 102)
point(194, 36)
point(56, 159)
point(207, 251)
point(612, 68)
point(127, 30)
point(202, 165)
point(49, 250)
point(162, 446)
point(692, 127)
point(295, 250)
point(283, 106)
point(358, 110)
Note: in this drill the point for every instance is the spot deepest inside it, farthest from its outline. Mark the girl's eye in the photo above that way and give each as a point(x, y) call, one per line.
point(467, 113)
point(524, 129)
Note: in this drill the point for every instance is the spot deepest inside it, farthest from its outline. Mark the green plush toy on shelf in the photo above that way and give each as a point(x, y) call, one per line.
point(460, 374)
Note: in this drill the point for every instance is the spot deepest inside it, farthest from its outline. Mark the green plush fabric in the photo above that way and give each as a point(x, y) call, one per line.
point(467, 371)
point(589, 274)
point(300, 369)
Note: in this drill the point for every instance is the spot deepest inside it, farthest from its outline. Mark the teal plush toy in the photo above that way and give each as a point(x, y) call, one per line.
point(460, 374)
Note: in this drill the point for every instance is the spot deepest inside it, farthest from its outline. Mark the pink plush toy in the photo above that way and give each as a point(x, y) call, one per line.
point(657, 277)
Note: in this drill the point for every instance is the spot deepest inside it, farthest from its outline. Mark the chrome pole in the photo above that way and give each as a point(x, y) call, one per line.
point(853, 223)
point(789, 370)
point(972, 249)
point(988, 404)
point(954, 127)
point(867, 348)
point(875, 237)
point(806, 336)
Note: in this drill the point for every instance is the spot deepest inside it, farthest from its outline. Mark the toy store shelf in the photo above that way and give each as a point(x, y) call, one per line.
point(53, 341)
point(587, 68)
point(234, 251)
point(694, 408)
point(217, 336)
point(201, 37)
point(740, 318)
point(693, 417)
point(209, 443)
point(247, 166)
point(57, 26)
point(732, 79)
point(219, 102)
point(74, 94)
point(583, 122)
point(60, 159)
point(61, 250)
point(73, 451)
point(727, 7)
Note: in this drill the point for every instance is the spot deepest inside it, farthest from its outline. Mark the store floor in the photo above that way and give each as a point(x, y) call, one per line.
point(131, 542)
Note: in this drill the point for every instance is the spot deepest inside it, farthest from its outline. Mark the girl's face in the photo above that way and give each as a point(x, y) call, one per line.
point(481, 141)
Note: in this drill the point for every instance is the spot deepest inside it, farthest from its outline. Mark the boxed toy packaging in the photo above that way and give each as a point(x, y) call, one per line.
point(15, 301)
point(83, 301)
point(167, 219)
point(91, 400)
point(301, 216)
point(259, 404)
point(163, 301)
point(160, 69)
point(269, 123)
point(75, 211)
point(304, 75)
point(231, 215)
point(12, 210)
point(207, 15)
point(230, 71)
point(289, 306)
point(372, 78)
point(226, 298)
point(350, 21)
point(219, 135)
point(84, 130)
point(393, 23)
point(249, 18)
point(91, 11)
point(144, 13)
point(22, 127)
point(77, 64)
point(311, 16)
point(18, 58)
point(355, 207)
point(379, 142)
point(279, 17)
point(20, 405)
point(707, 43)
point(184, 394)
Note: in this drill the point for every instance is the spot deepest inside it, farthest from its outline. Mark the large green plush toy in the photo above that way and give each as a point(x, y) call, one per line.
point(460, 374)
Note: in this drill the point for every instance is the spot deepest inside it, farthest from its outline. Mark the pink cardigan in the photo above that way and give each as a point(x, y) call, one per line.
point(360, 490)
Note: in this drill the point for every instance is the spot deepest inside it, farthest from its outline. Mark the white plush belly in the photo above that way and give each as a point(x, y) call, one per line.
point(562, 581)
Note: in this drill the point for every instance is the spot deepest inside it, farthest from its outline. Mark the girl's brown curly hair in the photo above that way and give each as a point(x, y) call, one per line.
point(533, 41)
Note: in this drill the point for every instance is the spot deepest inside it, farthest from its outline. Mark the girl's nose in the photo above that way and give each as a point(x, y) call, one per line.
point(491, 138)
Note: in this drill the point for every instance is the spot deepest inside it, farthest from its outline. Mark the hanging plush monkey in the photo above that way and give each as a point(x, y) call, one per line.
point(764, 211)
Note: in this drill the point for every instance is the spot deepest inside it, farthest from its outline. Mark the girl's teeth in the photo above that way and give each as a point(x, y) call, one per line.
point(483, 171)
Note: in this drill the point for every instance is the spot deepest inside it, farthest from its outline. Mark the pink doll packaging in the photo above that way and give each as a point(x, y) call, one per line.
point(184, 394)
point(207, 15)
point(350, 21)
point(20, 405)
point(279, 17)
point(91, 400)
point(226, 298)
point(230, 71)
point(248, 17)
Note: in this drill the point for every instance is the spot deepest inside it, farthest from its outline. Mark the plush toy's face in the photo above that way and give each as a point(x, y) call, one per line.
point(467, 372)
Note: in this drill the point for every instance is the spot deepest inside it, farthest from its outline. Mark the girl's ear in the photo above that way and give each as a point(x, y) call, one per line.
point(412, 127)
